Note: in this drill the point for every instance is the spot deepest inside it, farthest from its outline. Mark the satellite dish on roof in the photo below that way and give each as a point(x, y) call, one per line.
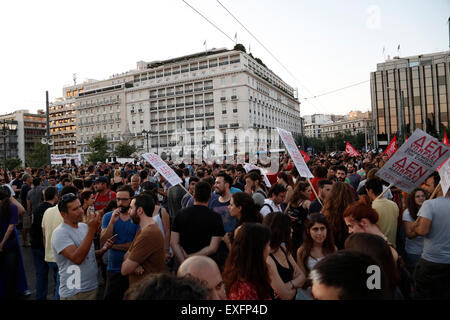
point(44, 140)
point(50, 142)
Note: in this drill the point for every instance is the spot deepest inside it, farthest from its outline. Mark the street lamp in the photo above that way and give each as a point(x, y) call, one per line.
point(146, 133)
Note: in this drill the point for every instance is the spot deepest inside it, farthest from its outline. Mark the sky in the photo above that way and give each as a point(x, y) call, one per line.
point(319, 45)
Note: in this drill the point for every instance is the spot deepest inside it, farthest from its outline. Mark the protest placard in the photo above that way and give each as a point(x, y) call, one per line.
point(163, 168)
point(416, 159)
point(444, 173)
point(296, 156)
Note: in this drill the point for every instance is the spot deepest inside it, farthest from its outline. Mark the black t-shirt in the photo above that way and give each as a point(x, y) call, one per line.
point(36, 227)
point(315, 207)
point(23, 194)
point(196, 226)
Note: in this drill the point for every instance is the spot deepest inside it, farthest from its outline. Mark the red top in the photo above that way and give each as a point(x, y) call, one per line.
point(243, 291)
point(101, 202)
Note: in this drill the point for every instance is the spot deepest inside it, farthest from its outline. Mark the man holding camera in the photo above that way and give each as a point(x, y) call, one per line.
point(117, 223)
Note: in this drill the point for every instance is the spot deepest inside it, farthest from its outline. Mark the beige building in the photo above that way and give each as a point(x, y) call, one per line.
point(204, 99)
point(62, 121)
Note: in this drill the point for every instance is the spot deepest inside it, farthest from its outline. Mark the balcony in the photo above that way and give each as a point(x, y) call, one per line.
point(180, 105)
point(223, 98)
point(170, 94)
point(189, 103)
point(199, 102)
point(208, 88)
point(198, 115)
point(170, 106)
point(153, 97)
point(234, 98)
point(203, 67)
point(188, 90)
point(189, 116)
point(161, 95)
point(190, 129)
point(179, 92)
point(221, 126)
point(223, 63)
point(198, 89)
point(171, 118)
point(209, 101)
point(209, 127)
point(209, 114)
point(235, 61)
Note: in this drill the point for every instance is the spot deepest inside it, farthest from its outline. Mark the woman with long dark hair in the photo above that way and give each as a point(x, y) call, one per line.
point(297, 210)
point(318, 242)
point(244, 209)
point(9, 247)
point(246, 275)
point(413, 243)
point(334, 206)
point(286, 180)
point(285, 275)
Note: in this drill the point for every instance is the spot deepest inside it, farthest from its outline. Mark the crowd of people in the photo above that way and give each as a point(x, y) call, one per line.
point(223, 233)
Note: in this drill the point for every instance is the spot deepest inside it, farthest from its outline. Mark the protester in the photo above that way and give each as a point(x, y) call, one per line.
point(197, 230)
point(146, 253)
point(297, 210)
point(277, 194)
point(343, 276)
point(118, 224)
point(286, 180)
point(324, 188)
point(413, 243)
point(205, 269)
point(432, 273)
point(103, 194)
point(387, 210)
point(254, 186)
point(285, 275)
point(246, 274)
point(335, 204)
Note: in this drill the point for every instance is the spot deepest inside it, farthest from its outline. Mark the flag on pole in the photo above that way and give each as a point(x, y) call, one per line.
point(392, 147)
point(305, 156)
point(351, 150)
point(398, 48)
point(235, 37)
point(445, 139)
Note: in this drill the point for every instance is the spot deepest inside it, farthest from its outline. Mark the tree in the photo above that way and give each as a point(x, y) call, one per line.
point(38, 157)
point(98, 147)
point(125, 150)
point(240, 47)
point(13, 163)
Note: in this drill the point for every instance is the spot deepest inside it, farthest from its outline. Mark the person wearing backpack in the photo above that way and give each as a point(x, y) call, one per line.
point(277, 194)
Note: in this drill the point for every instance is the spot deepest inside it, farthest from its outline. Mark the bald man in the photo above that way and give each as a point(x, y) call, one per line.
point(206, 269)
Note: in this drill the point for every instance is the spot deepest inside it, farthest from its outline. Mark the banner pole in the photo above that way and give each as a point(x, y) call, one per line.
point(382, 194)
point(436, 190)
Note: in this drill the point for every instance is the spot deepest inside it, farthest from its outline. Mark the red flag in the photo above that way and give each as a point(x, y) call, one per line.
point(392, 147)
point(406, 139)
point(445, 139)
point(351, 150)
point(305, 155)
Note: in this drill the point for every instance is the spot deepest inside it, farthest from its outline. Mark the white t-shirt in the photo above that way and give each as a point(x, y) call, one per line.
point(414, 245)
point(265, 210)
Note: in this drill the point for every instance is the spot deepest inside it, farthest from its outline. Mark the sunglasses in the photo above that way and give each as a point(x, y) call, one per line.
point(68, 197)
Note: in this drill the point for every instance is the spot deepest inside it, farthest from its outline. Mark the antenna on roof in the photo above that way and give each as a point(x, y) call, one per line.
point(74, 79)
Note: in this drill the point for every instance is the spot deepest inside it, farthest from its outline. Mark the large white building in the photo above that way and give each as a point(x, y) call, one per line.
point(212, 99)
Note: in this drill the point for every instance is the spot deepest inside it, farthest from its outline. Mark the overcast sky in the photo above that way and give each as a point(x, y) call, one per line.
point(325, 44)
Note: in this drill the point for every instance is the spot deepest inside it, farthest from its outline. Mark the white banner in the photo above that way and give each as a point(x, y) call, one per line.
point(296, 156)
point(444, 173)
point(58, 158)
point(249, 167)
point(416, 159)
point(162, 168)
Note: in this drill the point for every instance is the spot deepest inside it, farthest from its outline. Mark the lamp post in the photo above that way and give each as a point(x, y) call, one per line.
point(146, 133)
point(4, 143)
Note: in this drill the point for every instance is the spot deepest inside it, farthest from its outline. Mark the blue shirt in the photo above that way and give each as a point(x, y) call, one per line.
point(229, 222)
point(125, 230)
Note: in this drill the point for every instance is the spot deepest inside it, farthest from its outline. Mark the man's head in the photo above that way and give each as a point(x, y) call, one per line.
point(27, 178)
point(324, 187)
point(223, 183)
point(345, 275)
point(277, 193)
point(192, 182)
point(51, 194)
point(374, 188)
point(70, 208)
point(101, 184)
point(141, 207)
point(341, 173)
point(205, 269)
point(231, 171)
point(202, 192)
point(431, 182)
point(350, 168)
point(135, 181)
point(123, 197)
point(37, 182)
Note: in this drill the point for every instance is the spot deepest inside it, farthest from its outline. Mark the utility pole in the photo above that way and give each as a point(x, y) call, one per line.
point(48, 128)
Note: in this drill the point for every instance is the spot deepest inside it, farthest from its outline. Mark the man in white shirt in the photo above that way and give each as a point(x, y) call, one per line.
point(277, 194)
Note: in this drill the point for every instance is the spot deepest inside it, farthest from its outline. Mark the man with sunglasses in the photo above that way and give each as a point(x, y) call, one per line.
point(72, 245)
point(118, 223)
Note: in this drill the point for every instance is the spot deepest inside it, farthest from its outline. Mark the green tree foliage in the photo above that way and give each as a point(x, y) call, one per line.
point(240, 47)
point(13, 163)
point(125, 150)
point(98, 147)
point(38, 157)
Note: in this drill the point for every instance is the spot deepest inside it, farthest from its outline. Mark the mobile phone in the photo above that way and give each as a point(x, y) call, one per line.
point(113, 236)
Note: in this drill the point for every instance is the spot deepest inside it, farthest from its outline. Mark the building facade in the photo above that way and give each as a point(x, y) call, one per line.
point(62, 121)
point(30, 128)
point(9, 145)
point(208, 100)
point(409, 93)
